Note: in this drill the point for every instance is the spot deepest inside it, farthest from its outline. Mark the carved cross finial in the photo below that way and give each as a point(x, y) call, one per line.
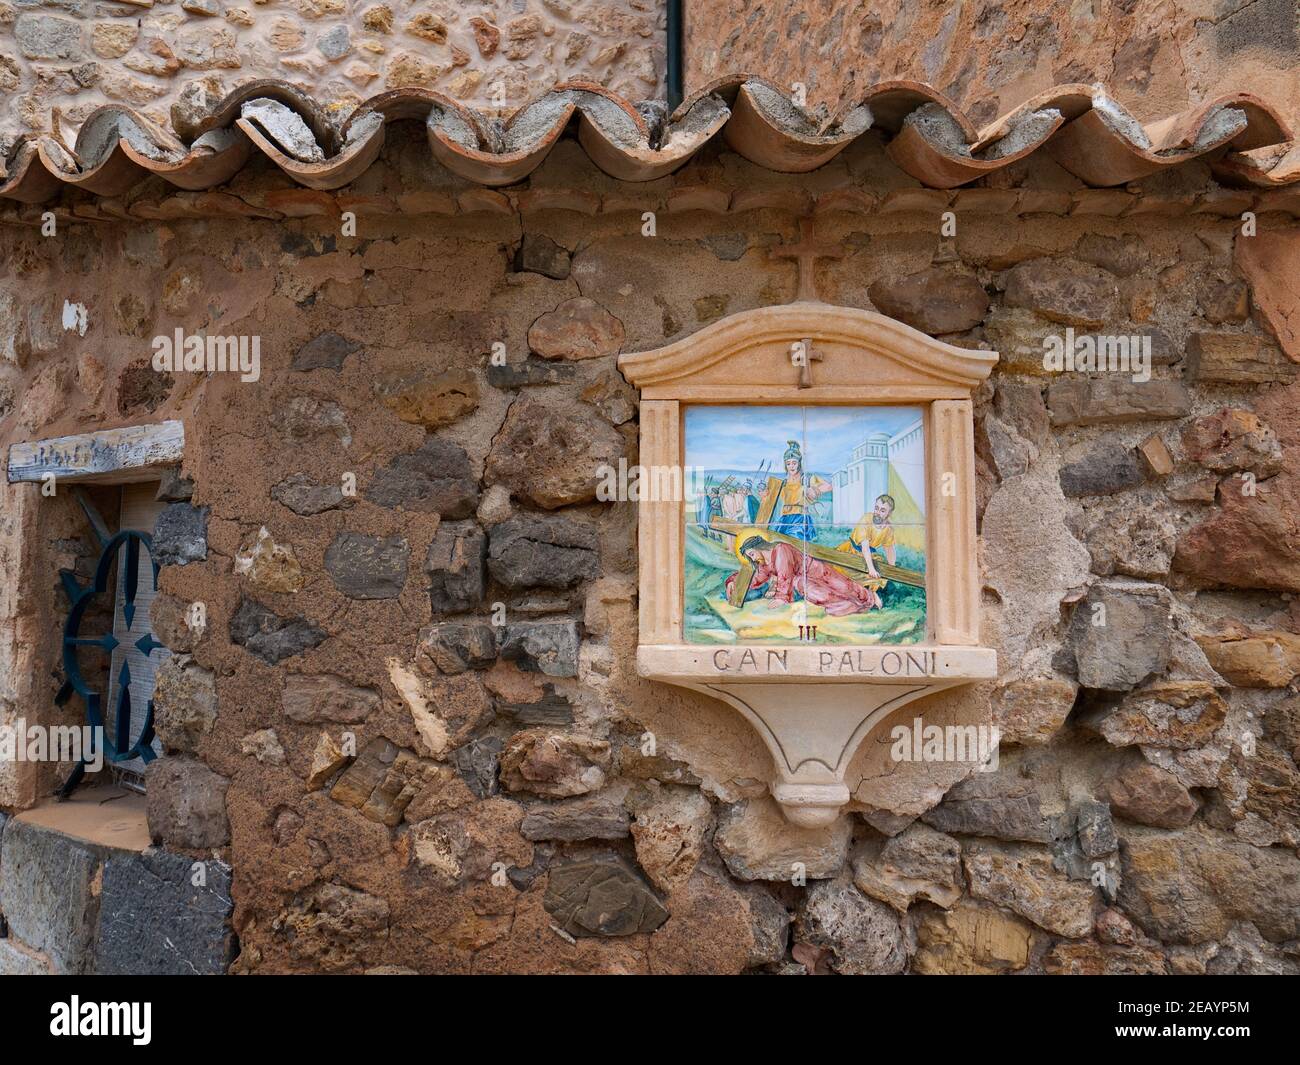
point(805, 255)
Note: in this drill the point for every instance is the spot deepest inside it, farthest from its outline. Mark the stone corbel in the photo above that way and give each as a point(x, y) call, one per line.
point(814, 705)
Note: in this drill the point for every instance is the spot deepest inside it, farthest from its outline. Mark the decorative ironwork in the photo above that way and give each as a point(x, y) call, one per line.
point(118, 743)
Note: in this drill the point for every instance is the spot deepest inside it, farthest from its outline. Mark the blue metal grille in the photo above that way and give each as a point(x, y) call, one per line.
point(109, 713)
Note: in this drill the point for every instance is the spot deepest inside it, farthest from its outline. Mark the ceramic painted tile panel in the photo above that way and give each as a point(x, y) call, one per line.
point(804, 524)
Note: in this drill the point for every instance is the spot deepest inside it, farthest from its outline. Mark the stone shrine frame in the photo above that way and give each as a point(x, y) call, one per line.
point(813, 705)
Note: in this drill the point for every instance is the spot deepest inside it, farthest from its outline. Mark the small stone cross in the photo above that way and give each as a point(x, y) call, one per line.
point(810, 356)
point(805, 255)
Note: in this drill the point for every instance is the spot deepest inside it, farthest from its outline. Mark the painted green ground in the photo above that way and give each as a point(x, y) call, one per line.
point(711, 619)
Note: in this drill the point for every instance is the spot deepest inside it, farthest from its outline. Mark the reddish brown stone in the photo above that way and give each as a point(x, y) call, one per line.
point(1070, 293)
point(1254, 659)
point(429, 399)
point(577, 329)
point(1271, 263)
point(552, 455)
point(934, 301)
point(1149, 796)
point(1226, 301)
point(1233, 439)
point(555, 764)
point(1251, 541)
point(1235, 359)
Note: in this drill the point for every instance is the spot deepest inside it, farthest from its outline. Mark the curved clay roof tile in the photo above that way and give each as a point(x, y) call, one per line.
point(931, 139)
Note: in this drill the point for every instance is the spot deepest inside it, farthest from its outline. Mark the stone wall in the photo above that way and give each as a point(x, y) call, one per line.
point(1157, 57)
point(399, 784)
point(71, 906)
point(74, 57)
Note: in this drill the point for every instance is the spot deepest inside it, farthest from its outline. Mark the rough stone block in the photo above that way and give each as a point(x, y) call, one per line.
point(302, 497)
point(155, 920)
point(269, 636)
point(934, 301)
point(1236, 359)
point(17, 962)
point(599, 816)
point(602, 897)
point(1072, 293)
point(1102, 400)
point(1120, 638)
point(539, 254)
point(186, 804)
point(549, 647)
point(180, 535)
point(542, 552)
point(456, 566)
point(1102, 474)
point(455, 646)
point(367, 567)
point(48, 893)
point(326, 351)
point(435, 477)
point(185, 703)
point(325, 698)
point(863, 935)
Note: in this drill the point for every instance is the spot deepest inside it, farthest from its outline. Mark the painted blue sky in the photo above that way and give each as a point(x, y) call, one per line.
point(739, 438)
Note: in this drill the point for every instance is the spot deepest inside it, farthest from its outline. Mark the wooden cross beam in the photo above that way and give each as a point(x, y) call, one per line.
point(745, 575)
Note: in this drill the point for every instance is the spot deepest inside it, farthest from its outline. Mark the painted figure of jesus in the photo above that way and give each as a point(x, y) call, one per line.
point(782, 574)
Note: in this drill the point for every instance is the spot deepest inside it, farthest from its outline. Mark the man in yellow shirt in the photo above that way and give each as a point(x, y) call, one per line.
point(874, 532)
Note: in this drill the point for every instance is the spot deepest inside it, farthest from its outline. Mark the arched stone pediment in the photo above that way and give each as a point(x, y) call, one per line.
point(863, 355)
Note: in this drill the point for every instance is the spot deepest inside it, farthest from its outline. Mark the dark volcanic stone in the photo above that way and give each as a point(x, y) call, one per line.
point(173, 488)
point(153, 919)
point(477, 762)
point(302, 497)
point(549, 647)
point(435, 477)
point(539, 254)
point(368, 567)
point(455, 564)
point(532, 371)
point(551, 709)
point(599, 816)
point(994, 806)
point(602, 897)
point(1095, 829)
point(180, 535)
point(272, 638)
point(542, 552)
point(328, 351)
point(47, 893)
point(455, 646)
point(1102, 474)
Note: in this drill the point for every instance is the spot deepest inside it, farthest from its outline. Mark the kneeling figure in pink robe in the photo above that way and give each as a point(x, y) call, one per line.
point(787, 574)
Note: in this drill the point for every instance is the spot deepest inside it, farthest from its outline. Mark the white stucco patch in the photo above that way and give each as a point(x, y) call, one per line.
point(75, 317)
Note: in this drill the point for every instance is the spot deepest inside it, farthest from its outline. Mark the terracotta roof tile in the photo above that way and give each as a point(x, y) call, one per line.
point(1246, 142)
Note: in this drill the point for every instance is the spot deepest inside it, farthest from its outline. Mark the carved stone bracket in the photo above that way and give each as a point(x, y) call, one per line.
point(813, 705)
